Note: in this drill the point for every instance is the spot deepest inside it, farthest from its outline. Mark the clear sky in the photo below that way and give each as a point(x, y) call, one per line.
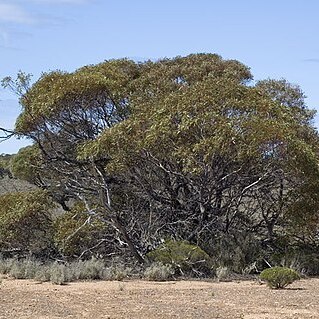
point(276, 38)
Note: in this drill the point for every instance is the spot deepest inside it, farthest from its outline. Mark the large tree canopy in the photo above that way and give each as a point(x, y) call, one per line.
point(189, 148)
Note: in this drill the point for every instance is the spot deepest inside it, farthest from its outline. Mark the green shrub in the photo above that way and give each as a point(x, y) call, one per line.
point(117, 273)
point(184, 258)
point(95, 269)
point(303, 258)
point(25, 222)
point(17, 272)
point(279, 277)
point(236, 250)
point(159, 272)
point(73, 236)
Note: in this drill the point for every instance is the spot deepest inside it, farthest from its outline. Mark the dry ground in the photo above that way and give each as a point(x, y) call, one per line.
point(142, 299)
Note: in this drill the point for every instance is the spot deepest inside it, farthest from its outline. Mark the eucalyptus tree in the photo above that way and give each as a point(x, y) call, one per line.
point(186, 147)
point(213, 156)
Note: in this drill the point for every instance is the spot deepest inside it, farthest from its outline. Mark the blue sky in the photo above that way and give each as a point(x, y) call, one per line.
point(277, 39)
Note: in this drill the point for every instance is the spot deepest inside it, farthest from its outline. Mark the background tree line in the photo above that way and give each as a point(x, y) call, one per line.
point(183, 149)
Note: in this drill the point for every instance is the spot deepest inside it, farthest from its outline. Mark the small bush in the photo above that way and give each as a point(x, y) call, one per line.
point(222, 273)
point(184, 258)
point(25, 222)
point(5, 265)
point(118, 273)
point(87, 270)
point(279, 277)
point(43, 274)
point(16, 271)
point(159, 272)
point(23, 269)
point(95, 269)
point(59, 274)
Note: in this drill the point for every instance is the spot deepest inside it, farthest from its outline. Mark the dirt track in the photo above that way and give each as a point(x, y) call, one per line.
point(142, 299)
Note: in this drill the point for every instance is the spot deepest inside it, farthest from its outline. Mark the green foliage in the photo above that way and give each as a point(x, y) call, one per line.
point(235, 255)
point(25, 221)
point(89, 269)
point(59, 274)
point(279, 277)
point(5, 164)
point(26, 164)
point(159, 272)
point(5, 265)
point(183, 257)
point(76, 232)
point(96, 269)
point(57, 90)
point(301, 256)
point(19, 85)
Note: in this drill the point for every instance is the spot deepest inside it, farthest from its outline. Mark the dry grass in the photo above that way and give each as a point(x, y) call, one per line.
point(60, 274)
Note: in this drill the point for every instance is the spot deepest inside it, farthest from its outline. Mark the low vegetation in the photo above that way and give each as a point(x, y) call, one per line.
point(61, 273)
point(279, 277)
point(184, 258)
point(159, 272)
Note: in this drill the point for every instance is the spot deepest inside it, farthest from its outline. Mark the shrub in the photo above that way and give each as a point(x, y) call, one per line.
point(159, 272)
point(94, 269)
point(25, 222)
point(279, 277)
point(59, 274)
point(88, 269)
point(303, 258)
point(43, 274)
point(23, 269)
point(183, 257)
point(117, 273)
point(62, 273)
point(235, 250)
point(222, 273)
point(73, 235)
point(5, 265)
